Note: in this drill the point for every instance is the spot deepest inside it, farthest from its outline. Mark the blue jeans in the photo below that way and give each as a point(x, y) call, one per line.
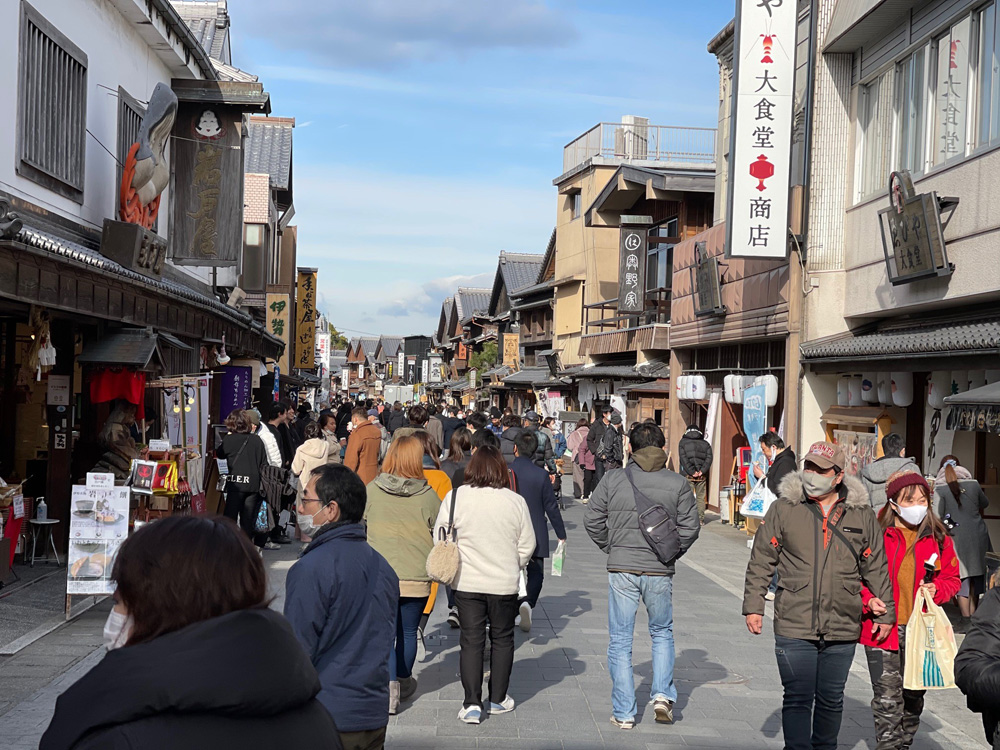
point(407, 621)
point(812, 672)
point(624, 592)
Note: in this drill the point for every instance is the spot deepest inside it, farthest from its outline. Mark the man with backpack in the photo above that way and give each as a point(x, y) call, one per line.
point(641, 564)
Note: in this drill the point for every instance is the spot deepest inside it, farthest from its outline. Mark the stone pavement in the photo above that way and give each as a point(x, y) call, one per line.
point(727, 680)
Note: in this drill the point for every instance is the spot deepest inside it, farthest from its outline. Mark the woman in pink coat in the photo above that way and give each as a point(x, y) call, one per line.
point(583, 461)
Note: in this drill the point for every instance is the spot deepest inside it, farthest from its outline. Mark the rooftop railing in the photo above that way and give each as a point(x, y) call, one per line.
point(640, 142)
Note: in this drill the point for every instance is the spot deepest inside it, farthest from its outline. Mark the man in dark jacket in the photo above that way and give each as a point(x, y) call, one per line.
point(611, 451)
point(535, 486)
point(543, 456)
point(339, 574)
point(634, 570)
point(277, 424)
point(594, 438)
point(449, 423)
point(780, 458)
point(823, 539)
point(396, 419)
point(511, 430)
point(695, 454)
point(977, 666)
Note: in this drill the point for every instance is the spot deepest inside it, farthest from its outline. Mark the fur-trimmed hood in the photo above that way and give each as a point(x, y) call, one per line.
point(791, 490)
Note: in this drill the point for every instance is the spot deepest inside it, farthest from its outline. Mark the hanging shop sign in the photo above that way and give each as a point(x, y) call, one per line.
point(511, 350)
point(207, 199)
point(705, 282)
point(234, 391)
point(278, 315)
point(322, 349)
point(134, 247)
point(462, 352)
point(912, 233)
point(632, 264)
point(436, 369)
point(755, 424)
point(974, 418)
point(401, 365)
point(425, 371)
point(305, 320)
point(761, 143)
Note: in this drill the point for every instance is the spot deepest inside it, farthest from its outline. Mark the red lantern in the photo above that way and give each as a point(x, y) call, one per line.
point(760, 170)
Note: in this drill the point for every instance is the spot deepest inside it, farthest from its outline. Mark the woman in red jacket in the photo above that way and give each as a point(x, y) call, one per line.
point(913, 536)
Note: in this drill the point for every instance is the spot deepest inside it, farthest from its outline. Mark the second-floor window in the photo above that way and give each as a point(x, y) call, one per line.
point(52, 107)
point(575, 203)
point(254, 257)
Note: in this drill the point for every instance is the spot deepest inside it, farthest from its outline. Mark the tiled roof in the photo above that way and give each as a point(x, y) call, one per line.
point(951, 334)
point(529, 376)
point(209, 22)
point(369, 344)
point(519, 270)
point(230, 73)
point(391, 345)
point(269, 149)
point(472, 302)
point(602, 371)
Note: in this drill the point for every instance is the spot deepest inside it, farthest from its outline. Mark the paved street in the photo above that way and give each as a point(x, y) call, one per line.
point(729, 694)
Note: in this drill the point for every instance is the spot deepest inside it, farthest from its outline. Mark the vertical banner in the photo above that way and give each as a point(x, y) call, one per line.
point(760, 152)
point(512, 350)
point(435, 369)
point(425, 371)
point(323, 349)
point(278, 314)
point(305, 320)
point(234, 391)
point(755, 425)
point(632, 270)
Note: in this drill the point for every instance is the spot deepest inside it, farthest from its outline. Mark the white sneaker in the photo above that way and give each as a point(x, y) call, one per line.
point(524, 620)
point(470, 715)
point(504, 707)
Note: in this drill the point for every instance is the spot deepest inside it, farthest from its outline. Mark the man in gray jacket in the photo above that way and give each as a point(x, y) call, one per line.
point(635, 572)
point(875, 475)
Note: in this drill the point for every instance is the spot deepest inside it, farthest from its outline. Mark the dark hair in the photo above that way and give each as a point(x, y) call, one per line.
point(477, 419)
point(278, 409)
point(431, 410)
point(606, 409)
point(646, 436)
point(431, 448)
point(526, 444)
point(311, 430)
point(893, 444)
point(324, 419)
point(549, 421)
point(582, 422)
point(487, 468)
point(931, 521)
point(483, 438)
point(417, 415)
point(772, 440)
point(360, 412)
point(461, 443)
point(238, 421)
point(165, 585)
point(510, 420)
point(335, 483)
point(951, 478)
point(396, 406)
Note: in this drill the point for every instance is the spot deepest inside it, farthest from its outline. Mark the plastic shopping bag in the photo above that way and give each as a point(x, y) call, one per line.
point(558, 558)
point(522, 585)
point(757, 501)
point(930, 647)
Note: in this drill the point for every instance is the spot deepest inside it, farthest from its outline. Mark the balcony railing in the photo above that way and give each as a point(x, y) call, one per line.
point(642, 338)
point(639, 142)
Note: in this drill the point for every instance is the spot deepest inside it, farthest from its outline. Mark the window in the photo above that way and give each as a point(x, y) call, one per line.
point(988, 127)
point(911, 106)
point(52, 107)
point(254, 257)
point(951, 100)
point(130, 114)
point(875, 127)
point(575, 204)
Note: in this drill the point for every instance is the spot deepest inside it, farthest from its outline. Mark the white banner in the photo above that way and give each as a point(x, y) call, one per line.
point(762, 129)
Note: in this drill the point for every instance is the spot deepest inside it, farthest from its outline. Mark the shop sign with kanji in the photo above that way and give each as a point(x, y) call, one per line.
point(912, 234)
point(278, 325)
point(760, 153)
point(305, 320)
point(632, 265)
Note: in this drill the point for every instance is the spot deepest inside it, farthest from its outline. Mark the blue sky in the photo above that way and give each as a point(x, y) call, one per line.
point(428, 132)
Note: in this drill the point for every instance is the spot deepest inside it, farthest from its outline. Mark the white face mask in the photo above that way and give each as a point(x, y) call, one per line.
point(117, 629)
point(307, 524)
point(913, 515)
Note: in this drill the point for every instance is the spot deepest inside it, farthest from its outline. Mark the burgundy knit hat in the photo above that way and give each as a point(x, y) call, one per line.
point(905, 478)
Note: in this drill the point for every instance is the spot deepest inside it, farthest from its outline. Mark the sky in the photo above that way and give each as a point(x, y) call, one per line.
point(428, 132)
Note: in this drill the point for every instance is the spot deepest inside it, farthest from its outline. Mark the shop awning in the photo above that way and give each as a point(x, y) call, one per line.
point(987, 395)
point(131, 347)
point(530, 376)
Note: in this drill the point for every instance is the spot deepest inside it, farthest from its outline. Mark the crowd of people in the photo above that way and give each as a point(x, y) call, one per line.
point(369, 487)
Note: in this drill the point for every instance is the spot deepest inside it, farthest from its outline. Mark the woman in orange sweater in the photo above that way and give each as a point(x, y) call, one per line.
point(441, 483)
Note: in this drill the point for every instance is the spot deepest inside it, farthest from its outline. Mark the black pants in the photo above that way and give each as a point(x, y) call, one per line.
point(535, 573)
point(813, 674)
point(599, 472)
point(242, 507)
point(374, 739)
point(474, 610)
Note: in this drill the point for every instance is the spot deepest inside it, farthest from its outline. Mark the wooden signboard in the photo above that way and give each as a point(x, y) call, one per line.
point(279, 323)
point(305, 320)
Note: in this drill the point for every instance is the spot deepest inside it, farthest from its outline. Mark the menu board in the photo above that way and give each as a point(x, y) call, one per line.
point(98, 526)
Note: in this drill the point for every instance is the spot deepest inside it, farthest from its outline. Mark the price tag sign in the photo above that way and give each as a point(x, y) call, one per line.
point(159, 446)
point(18, 506)
point(223, 465)
point(99, 481)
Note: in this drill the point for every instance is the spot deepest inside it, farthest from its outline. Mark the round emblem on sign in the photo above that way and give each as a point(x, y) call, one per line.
point(632, 242)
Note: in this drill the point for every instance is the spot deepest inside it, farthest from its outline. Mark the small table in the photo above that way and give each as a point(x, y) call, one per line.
point(43, 526)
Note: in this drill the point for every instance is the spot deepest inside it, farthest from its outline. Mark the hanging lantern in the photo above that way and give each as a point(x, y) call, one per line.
point(697, 387)
point(770, 383)
point(733, 386)
point(869, 388)
point(884, 388)
point(902, 388)
point(843, 397)
point(854, 391)
point(940, 386)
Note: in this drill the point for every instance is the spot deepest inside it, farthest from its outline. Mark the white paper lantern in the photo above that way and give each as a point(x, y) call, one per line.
point(770, 382)
point(869, 388)
point(902, 388)
point(733, 385)
point(884, 388)
point(679, 387)
point(697, 388)
point(940, 386)
point(748, 381)
point(992, 376)
point(843, 396)
point(959, 381)
point(854, 391)
point(977, 379)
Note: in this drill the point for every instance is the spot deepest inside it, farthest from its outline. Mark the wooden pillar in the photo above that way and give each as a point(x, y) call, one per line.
point(59, 481)
point(675, 419)
point(793, 381)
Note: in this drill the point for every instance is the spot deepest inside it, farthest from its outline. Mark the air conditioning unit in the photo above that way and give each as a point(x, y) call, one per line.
point(632, 138)
point(237, 298)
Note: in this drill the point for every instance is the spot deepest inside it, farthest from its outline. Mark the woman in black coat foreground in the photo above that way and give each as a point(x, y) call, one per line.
point(204, 663)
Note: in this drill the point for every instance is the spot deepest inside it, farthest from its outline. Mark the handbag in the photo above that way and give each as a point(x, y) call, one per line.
point(757, 500)
point(273, 480)
point(930, 647)
point(264, 523)
point(658, 527)
point(444, 560)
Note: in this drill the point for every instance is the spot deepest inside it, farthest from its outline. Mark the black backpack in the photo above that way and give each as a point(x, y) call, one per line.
point(657, 526)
